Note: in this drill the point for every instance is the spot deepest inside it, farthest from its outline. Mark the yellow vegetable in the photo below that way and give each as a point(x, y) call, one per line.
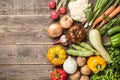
point(96, 63)
point(56, 55)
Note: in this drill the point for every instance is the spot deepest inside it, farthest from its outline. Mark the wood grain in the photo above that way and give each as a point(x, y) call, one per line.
point(25, 72)
point(21, 29)
point(23, 54)
point(23, 7)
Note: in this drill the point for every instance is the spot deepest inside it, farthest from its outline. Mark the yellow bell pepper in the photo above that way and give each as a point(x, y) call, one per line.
point(56, 55)
point(96, 63)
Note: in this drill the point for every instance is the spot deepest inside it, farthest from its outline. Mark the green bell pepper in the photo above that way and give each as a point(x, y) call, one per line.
point(115, 40)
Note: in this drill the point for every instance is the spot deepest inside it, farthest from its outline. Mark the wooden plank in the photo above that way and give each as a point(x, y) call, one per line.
point(22, 29)
point(25, 72)
point(23, 54)
point(23, 7)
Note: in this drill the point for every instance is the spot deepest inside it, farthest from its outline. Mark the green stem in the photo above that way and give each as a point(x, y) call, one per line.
point(56, 2)
point(57, 75)
point(98, 68)
point(64, 3)
point(116, 2)
point(59, 4)
point(107, 43)
point(72, 0)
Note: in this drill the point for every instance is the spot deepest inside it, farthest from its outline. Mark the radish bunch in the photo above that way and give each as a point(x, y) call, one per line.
point(59, 8)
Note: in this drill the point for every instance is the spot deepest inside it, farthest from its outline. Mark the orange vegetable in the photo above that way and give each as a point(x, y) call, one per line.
point(99, 19)
point(113, 14)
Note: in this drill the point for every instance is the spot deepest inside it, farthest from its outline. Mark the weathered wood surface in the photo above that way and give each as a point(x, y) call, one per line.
point(24, 29)
point(23, 54)
point(23, 7)
point(23, 40)
point(25, 72)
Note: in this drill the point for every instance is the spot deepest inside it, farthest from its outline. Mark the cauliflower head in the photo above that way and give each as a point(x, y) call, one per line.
point(77, 8)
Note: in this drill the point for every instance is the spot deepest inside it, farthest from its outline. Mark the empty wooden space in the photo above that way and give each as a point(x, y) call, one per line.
point(23, 40)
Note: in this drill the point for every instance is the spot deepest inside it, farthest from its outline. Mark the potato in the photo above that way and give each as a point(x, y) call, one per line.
point(75, 76)
point(83, 77)
point(81, 61)
point(85, 70)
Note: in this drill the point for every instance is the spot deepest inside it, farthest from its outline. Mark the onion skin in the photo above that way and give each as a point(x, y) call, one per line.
point(66, 21)
point(54, 30)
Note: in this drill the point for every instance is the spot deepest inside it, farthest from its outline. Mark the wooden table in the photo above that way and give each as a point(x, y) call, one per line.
point(24, 40)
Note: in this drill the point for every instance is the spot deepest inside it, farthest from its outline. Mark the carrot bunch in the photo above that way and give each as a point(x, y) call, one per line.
point(111, 12)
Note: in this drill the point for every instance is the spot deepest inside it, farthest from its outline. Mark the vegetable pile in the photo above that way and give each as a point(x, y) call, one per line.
point(112, 71)
point(86, 38)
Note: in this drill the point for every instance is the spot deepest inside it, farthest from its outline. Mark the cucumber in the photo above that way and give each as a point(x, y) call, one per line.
point(114, 30)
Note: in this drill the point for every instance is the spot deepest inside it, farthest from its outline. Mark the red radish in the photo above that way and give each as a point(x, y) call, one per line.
point(52, 4)
point(63, 10)
point(54, 15)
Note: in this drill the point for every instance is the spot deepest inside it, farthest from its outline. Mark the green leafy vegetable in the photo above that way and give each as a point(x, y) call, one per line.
point(100, 7)
point(88, 12)
point(112, 71)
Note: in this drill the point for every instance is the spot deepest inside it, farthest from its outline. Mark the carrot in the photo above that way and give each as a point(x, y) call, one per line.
point(114, 13)
point(106, 13)
point(99, 19)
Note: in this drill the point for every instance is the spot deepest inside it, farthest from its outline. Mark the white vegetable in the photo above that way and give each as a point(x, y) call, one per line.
point(70, 65)
point(95, 39)
point(86, 25)
point(77, 9)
